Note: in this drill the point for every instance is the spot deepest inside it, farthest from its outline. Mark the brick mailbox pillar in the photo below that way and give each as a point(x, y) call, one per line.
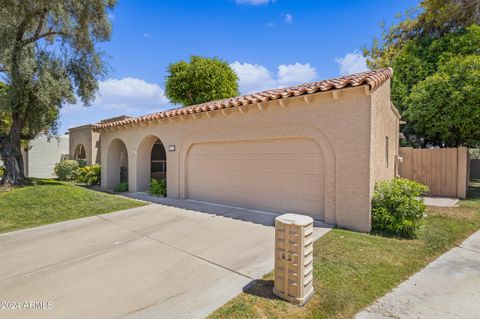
point(294, 258)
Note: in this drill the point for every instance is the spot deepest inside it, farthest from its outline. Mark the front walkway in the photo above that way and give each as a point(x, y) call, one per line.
point(440, 201)
point(447, 288)
point(183, 260)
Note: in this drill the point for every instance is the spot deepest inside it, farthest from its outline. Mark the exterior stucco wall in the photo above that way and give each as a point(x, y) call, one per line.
point(384, 124)
point(43, 153)
point(341, 128)
point(90, 140)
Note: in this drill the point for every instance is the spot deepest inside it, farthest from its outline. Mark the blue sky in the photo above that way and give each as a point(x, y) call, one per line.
point(268, 43)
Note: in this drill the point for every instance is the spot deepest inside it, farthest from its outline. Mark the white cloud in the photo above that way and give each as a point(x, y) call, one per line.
point(255, 77)
point(296, 73)
point(353, 62)
point(255, 2)
point(288, 18)
point(127, 95)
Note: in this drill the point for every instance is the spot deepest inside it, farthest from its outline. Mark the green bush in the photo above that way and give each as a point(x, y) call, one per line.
point(396, 208)
point(81, 163)
point(120, 188)
point(66, 170)
point(89, 175)
point(2, 169)
point(158, 187)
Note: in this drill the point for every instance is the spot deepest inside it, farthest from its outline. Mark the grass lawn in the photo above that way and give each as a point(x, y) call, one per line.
point(352, 270)
point(50, 201)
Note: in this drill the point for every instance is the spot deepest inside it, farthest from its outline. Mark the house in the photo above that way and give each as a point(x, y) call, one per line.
point(315, 149)
point(84, 143)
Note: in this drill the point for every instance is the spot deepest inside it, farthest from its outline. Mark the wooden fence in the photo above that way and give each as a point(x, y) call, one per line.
point(444, 170)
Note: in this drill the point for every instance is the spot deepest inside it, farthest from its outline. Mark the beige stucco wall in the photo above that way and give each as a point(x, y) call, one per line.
point(340, 124)
point(90, 140)
point(384, 123)
point(43, 153)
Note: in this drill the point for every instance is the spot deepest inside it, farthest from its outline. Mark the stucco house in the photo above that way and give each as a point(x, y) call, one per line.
point(84, 142)
point(315, 149)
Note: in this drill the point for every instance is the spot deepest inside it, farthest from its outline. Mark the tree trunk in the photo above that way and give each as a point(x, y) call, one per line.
point(11, 154)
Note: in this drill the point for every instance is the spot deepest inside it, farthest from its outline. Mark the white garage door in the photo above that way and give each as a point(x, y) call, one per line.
point(284, 175)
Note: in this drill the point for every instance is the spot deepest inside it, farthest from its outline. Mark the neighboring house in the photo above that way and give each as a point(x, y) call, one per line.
point(314, 149)
point(85, 143)
point(43, 153)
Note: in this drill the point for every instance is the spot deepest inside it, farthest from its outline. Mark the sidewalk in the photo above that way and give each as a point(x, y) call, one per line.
point(449, 287)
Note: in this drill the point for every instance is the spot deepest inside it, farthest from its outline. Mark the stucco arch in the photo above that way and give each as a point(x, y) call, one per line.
point(80, 152)
point(143, 161)
point(280, 130)
point(117, 163)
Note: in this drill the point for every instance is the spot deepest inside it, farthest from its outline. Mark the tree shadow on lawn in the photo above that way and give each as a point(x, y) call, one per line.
point(43, 182)
point(260, 288)
point(29, 182)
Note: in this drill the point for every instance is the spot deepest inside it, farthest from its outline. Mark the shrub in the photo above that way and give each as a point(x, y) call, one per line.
point(396, 208)
point(89, 175)
point(66, 170)
point(120, 188)
point(158, 187)
point(81, 163)
point(2, 169)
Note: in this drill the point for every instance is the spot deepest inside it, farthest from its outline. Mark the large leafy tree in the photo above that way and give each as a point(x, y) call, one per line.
point(49, 56)
point(200, 80)
point(420, 48)
point(445, 107)
point(431, 19)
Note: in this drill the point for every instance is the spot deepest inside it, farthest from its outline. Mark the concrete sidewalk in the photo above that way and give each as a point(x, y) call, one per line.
point(440, 201)
point(449, 287)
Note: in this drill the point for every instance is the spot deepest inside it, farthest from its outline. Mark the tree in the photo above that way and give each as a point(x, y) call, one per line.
point(418, 47)
point(445, 107)
point(423, 57)
point(49, 56)
point(432, 19)
point(200, 80)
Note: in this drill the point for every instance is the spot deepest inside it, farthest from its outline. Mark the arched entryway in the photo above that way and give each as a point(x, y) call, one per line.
point(117, 163)
point(80, 153)
point(151, 162)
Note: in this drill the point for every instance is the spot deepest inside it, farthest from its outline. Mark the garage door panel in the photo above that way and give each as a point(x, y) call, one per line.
point(309, 205)
point(275, 175)
point(311, 187)
point(289, 184)
point(269, 182)
point(268, 165)
point(311, 166)
point(290, 165)
point(289, 204)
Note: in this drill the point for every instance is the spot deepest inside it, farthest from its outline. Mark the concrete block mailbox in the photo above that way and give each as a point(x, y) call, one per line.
point(294, 258)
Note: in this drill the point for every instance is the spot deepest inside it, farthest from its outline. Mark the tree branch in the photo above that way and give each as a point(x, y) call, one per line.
point(40, 23)
point(50, 32)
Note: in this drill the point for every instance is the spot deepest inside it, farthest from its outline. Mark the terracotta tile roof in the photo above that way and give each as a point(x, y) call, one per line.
point(371, 78)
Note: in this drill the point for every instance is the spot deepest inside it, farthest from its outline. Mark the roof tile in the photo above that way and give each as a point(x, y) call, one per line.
point(370, 78)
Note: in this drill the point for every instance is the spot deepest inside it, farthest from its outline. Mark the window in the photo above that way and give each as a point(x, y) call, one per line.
point(158, 158)
point(386, 151)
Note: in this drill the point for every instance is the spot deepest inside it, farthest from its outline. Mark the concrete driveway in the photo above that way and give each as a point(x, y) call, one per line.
point(179, 259)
